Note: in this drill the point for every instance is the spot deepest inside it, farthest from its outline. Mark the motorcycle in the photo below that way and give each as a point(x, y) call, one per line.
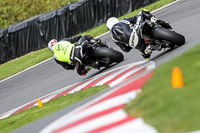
point(97, 54)
point(156, 34)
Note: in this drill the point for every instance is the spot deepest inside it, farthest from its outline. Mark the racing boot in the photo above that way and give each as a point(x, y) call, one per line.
point(147, 52)
point(88, 68)
point(146, 56)
point(96, 65)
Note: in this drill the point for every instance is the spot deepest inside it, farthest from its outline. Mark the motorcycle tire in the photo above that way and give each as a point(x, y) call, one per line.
point(114, 55)
point(169, 35)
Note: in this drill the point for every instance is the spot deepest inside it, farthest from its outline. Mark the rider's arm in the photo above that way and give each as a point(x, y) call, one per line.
point(72, 39)
point(132, 20)
point(65, 65)
point(85, 38)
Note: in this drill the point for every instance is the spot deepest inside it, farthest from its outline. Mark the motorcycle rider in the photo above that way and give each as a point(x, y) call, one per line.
point(69, 52)
point(125, 33)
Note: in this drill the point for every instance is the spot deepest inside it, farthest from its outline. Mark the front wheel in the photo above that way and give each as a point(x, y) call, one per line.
point(114, 55)
point(168, 35)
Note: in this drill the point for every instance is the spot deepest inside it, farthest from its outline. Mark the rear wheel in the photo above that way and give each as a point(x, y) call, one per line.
point(168, 35)
point(114, 55)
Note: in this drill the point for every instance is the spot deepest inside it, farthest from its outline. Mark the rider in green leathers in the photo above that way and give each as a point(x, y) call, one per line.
point(69, 52)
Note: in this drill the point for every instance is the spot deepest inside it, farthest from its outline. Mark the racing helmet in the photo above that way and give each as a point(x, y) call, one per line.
point(51, 44)
point(111, 22)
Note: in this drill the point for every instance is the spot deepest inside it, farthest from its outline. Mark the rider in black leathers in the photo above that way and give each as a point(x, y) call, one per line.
point(125, 33)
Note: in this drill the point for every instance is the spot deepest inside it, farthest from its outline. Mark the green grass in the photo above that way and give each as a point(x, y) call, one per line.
point(18, 120)
point(17, 65)
point(171, 110)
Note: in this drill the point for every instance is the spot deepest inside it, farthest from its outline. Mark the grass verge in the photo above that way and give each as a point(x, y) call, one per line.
point(19, 64)
point(24, 117)
point(171, 110)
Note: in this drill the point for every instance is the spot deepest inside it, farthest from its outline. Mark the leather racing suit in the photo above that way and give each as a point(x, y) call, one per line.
point(68, 53)
point(126, 35)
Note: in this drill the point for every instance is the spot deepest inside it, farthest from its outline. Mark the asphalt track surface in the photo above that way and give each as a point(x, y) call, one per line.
point(184, 17)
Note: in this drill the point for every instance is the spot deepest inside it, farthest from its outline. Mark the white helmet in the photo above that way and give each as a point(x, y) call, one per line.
point(111, 22)
point(51, 43)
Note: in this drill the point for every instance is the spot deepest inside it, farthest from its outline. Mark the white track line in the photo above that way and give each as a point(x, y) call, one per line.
point(41, 62)
point(166, 6)
point(25, 70)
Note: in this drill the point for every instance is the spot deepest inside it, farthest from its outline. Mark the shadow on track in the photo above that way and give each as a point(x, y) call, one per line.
point(151, 59)
point(161, 54)
point(103, 70)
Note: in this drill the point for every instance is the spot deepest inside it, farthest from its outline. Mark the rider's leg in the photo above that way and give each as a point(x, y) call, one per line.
point(77, 58)
point(145, 50)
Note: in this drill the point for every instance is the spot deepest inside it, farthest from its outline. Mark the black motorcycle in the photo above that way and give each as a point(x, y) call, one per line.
point(158, 35)
point(97, 54)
